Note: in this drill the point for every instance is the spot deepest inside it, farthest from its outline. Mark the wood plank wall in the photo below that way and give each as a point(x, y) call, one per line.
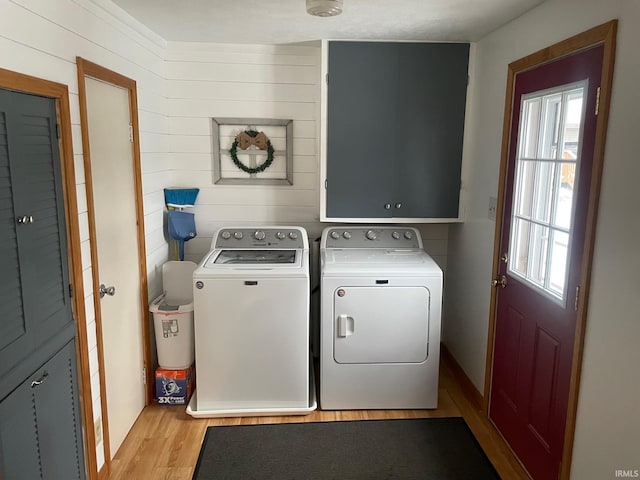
point(247, 81)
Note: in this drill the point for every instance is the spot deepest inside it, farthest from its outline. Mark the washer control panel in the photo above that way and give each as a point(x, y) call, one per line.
point(371, 237)
point(279, 237)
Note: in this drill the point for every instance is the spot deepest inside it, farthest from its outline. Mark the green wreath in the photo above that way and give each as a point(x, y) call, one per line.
point(233, 151)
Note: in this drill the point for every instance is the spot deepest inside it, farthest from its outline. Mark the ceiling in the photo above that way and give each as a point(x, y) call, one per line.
point(286, 21)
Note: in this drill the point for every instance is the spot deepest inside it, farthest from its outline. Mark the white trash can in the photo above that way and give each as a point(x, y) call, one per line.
point(173, 317)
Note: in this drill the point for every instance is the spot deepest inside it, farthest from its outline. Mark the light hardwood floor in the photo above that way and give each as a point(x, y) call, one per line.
point(165, 442)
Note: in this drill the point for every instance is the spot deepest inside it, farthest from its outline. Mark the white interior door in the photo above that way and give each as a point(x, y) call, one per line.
point(114, 199)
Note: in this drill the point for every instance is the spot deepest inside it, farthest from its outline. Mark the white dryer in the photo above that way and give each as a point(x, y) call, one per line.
point(251, 324)
point(381, 300)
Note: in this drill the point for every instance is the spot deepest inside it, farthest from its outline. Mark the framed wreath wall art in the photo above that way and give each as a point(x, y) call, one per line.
point(252, 151)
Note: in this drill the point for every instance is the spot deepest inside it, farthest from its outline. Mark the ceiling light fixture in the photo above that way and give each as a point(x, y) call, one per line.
point(324, 8)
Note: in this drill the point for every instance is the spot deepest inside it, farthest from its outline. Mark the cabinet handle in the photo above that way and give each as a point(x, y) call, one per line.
point(387, 206)
point(40, 381)
point(398, 205)
point(25, 219)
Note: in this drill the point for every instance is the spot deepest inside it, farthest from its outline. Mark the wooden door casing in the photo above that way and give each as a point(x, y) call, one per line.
point(39, 242)
point(20, 82)
point(533, 347)
point(604, 35)
point(89, 69)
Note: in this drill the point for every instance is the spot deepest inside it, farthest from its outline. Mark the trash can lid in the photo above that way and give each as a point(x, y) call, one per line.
point(177, 282)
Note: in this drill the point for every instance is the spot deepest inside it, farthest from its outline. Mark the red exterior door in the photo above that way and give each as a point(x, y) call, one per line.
point(543, 231)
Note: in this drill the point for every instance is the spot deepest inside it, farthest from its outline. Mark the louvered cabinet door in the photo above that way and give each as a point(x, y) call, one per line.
point(13, 324)
point(19, 455)
point(58, 414)
point(40, 433)
point(35, 278)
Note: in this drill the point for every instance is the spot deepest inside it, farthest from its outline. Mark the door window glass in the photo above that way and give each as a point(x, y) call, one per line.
point(548, 155)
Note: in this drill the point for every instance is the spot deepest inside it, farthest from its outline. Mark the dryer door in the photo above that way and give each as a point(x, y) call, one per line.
point(381, 324)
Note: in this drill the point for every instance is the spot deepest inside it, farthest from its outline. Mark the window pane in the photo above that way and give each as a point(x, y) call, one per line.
point(531, 122)
point(571, 132)
point(524, 192)
point(559, 250)
point(543, 191)
point(520, 246)
point(564, 198)
point(538, 255)
point(549, 128)
point(549, 139)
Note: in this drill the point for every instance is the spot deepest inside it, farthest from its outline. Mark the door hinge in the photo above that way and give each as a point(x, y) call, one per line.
point(144, 375)
point(57, 130)
point(70, 290)
point(326, 78)
point(575, 305)
point(597, 100)
point(131, 133)
point(325, 184)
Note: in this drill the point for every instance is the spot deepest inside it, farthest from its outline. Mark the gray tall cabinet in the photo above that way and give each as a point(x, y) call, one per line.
point(40, 430)
point(394, 124)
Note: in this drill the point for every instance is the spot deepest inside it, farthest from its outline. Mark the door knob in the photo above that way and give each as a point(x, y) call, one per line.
point(501, 281)
point(104, 290)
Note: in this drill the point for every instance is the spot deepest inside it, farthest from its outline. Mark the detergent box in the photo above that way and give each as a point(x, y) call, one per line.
point(174, 387)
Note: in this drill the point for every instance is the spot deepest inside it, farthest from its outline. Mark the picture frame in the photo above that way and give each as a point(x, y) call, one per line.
point(228, 170)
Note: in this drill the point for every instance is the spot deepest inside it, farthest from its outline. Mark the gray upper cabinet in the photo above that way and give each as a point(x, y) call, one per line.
point(392, 131)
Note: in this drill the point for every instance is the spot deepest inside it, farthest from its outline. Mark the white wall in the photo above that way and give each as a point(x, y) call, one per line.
point(608, 423)
point(42, 39)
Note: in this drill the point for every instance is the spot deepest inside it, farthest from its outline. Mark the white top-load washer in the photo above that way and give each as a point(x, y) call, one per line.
point(381, 300)
point(251, 324)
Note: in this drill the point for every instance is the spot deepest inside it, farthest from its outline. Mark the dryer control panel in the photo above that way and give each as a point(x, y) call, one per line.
point(371, 237)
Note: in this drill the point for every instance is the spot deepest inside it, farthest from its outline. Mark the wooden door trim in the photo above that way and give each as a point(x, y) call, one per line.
point(605, 35)
point(85, 69)
point(60, 93)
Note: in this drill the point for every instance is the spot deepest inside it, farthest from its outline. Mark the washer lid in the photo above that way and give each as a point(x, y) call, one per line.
point(374, 261)
point(255, 257)
point(268, 262)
